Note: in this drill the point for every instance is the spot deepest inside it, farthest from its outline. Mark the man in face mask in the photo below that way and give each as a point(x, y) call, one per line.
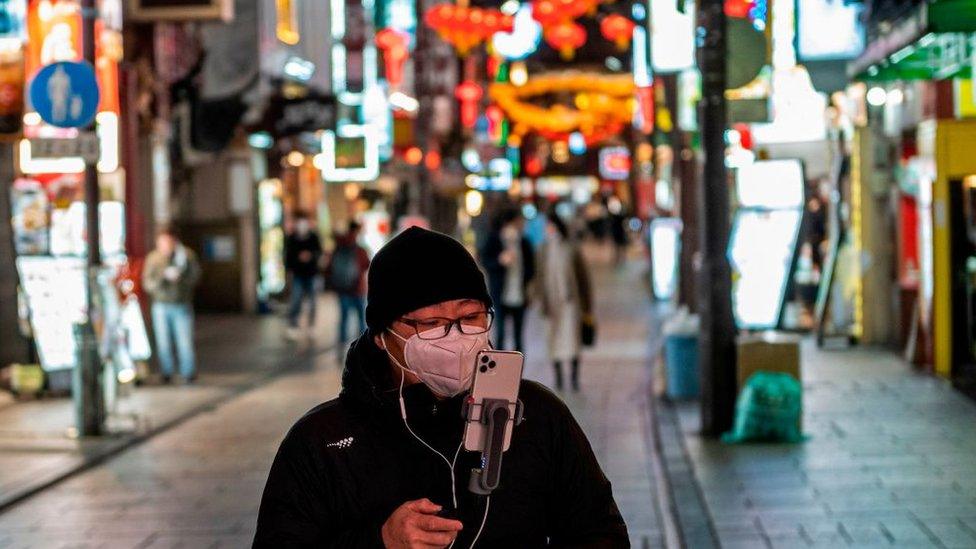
point(384, 465)
point(303, 250)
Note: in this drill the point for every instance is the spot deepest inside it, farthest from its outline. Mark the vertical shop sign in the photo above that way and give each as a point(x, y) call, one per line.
point(11, 65)
point(54, 34)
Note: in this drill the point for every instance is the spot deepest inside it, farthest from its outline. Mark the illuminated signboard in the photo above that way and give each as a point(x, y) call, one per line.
point(665, 236)
point(673, 39)
point(615, 163)
point(351, 153)
point(845, 40)
point(763, 242)
point(497, 178)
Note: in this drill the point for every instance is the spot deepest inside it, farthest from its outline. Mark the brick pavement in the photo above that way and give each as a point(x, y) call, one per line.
point(199, 484)
point(234, 352)
point(890, 462)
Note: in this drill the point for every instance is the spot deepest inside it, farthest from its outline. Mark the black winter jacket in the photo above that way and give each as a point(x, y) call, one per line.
point(349, 463)
point(294, 246)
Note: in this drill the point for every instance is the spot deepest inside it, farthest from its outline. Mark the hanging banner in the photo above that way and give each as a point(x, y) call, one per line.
point(11, 90)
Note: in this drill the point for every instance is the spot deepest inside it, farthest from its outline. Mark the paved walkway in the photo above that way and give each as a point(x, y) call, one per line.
point(613, 404)
point(235, 352)
point(891, 461)
point(199, 484)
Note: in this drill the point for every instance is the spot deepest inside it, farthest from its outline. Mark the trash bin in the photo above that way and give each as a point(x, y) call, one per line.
point(681, 356)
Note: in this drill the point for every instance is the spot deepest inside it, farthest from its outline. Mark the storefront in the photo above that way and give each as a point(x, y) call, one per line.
point(934, 42)
point(48, 211)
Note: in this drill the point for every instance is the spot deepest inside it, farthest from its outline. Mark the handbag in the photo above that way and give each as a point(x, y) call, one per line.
point(587, 331)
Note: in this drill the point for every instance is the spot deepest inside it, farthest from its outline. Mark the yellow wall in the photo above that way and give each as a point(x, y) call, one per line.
point(871, 234)
point(955, 158)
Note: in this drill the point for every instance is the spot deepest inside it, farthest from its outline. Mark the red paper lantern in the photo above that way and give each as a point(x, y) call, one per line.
point(546, 12)
point(566, 37)
point(572, 9)
point(617, 29)
point(393, 43)
point(464, 27)
point(468, 93)
point(552, 12)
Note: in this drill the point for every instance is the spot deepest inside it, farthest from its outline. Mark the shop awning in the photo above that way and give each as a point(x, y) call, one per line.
point(935, 41)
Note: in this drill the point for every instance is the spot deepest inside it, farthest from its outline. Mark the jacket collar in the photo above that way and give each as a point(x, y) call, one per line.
point(368, 385)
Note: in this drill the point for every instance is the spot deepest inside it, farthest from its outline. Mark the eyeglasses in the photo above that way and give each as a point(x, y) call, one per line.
point(438, 327)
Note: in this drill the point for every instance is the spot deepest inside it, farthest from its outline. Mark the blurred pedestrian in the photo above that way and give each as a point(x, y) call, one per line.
point(814, 229)
point(169, 276)
point(567, 299)
point(383, 464)
point(345, 274)
point(303, 251)
point(509, 260)
point(617, 220)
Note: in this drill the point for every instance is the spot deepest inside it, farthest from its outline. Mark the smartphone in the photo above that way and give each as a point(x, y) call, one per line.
point(497, 375)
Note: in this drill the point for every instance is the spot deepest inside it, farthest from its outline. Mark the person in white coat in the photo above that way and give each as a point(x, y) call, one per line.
point(566, 296)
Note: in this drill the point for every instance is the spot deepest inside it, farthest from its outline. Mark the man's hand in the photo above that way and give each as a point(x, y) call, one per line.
point(305, 256)
point(172, 273)
point(416, 525)
point(506, 258)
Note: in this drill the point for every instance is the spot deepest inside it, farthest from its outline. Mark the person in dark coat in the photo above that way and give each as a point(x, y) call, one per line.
point(509, 261)
point(383, 464)
point(345, 274)
point(303, 251)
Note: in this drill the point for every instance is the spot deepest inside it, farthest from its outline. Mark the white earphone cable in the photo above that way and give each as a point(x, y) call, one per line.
point(484, 520)
point(450, 464)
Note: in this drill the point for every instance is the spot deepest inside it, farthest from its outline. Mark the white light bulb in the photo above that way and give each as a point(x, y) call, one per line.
point(877, 96)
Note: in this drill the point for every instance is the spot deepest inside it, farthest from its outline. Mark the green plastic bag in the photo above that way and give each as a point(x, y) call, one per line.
point(768, 410)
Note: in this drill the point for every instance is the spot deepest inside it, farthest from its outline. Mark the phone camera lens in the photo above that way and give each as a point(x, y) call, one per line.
point(484, 358)
point(491, 364)
point(484, 369)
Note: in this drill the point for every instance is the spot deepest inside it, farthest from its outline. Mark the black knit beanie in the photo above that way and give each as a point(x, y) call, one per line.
point(418, 268)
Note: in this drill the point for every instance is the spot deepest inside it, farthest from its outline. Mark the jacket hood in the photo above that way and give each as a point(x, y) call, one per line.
point(367, 380)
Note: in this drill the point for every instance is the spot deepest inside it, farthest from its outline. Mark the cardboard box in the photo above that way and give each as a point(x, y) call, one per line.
point(767, 351)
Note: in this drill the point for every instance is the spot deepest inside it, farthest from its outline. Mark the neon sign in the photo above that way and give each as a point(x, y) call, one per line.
point(337, 167)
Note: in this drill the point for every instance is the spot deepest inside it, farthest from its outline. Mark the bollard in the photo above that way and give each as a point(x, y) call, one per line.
point(86, 383)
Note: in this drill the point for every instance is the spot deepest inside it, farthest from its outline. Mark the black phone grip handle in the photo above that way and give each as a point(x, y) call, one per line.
point(496, 415)
point(495, 444)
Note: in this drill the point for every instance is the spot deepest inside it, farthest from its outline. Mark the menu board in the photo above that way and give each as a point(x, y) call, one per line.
point(55, 292)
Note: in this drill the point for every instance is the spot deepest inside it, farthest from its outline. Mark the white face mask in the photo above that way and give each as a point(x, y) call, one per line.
point(445, 365)
point(302, 227)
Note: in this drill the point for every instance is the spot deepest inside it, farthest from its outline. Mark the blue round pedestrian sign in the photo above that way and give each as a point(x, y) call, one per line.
point(65, 94)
